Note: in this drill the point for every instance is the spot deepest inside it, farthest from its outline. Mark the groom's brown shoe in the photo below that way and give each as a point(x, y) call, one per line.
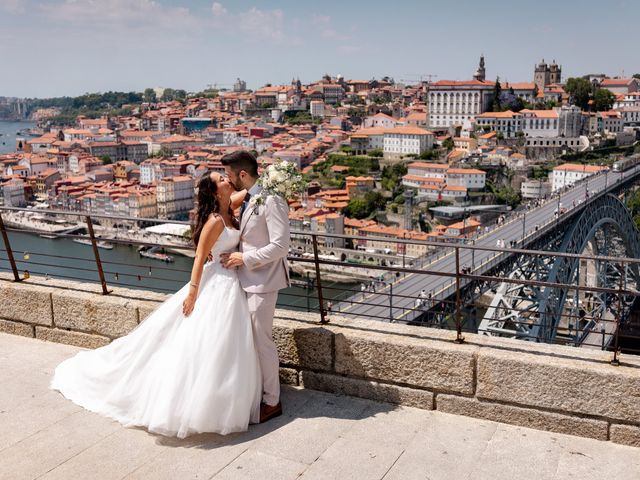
point(267, 412)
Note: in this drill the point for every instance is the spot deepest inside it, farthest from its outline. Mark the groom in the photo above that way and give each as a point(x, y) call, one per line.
point(262, 267)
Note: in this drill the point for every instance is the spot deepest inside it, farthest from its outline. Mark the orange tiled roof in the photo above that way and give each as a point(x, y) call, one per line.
point(576, 167)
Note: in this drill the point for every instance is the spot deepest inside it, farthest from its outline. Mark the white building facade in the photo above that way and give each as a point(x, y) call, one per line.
point(540, 123)
point(455, 102)
point(507, 123)
point(569, 173)
point(316, 108)
point(402, 141)
point(534, 189)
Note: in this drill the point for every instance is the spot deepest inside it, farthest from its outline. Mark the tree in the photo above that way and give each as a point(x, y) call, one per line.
point(357, 208)
point(149, 95)
point(495, 95)
point(168, 95)
point(346, 149)
point(365, 206)
point(106, 160)
point(636, 75)
point(375, 200)
point(579, 90)
point(300, 117)
point(518, 104)
point(448, 144)
point(429, 154)
point(391, 177)
point(603, 100)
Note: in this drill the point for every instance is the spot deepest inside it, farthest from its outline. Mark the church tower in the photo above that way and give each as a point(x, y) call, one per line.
point(480, 74)
point(541, 76)
point(555, 73)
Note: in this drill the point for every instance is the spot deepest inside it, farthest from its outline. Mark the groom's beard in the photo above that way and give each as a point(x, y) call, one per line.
point(237, 184)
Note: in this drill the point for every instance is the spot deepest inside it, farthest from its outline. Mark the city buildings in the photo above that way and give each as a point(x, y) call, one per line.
point(13, 193)
point(545, 75)
point(569, 173)
point(436, 181)
point(535, 189)
point(402, 141)
point(146, 163)
point(452, 102)
point(175, 196)
point(507, 123)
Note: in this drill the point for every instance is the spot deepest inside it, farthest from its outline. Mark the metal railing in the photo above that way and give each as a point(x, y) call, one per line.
point(385, 292)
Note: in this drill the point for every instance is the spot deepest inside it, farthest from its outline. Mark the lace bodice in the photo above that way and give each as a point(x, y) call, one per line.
point(227, 242)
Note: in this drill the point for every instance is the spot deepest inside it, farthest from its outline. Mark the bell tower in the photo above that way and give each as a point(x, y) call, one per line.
point(480, 74)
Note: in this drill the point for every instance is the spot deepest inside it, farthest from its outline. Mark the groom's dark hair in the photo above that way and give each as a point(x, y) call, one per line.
point(241, 160)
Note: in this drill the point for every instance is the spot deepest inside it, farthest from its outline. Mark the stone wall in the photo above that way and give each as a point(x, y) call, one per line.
point(555, 388)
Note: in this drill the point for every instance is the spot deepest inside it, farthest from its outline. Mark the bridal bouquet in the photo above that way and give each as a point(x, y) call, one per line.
point(282, 179)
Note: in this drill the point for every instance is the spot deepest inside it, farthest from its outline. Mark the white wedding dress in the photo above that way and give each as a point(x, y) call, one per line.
point(177, 376)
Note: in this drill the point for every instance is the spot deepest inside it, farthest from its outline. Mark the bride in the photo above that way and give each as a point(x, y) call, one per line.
point(191, 366)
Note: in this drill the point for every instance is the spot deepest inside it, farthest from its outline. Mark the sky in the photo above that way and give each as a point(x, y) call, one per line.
point(70, 47)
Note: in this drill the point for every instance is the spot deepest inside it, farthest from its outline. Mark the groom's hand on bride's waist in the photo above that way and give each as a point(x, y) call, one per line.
point(231, 260)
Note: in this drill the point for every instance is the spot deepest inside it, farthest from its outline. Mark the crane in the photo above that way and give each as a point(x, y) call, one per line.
point(418, 77)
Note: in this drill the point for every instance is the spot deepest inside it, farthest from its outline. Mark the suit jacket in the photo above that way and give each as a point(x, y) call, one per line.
point(264, 243)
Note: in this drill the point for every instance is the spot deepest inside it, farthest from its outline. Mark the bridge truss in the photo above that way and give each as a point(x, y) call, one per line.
point(548, 313)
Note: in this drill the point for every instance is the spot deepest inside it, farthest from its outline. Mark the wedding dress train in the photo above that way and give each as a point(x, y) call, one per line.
point(177, 375)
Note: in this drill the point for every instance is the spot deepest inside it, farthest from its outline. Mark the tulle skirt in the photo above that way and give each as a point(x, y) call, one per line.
point(176, 376)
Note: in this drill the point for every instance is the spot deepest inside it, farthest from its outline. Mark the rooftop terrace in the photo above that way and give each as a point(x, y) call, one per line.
point(321, 435)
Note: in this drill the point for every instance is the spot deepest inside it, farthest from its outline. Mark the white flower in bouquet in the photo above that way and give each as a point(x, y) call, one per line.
point(281, 179)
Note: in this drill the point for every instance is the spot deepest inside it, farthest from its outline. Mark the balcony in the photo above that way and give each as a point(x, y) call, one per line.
point(366, 398)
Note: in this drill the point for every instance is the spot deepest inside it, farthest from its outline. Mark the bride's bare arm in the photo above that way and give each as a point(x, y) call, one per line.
point(208, 237)
point(237, 198)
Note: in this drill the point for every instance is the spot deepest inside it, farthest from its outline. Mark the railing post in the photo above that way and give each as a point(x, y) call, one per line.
point(7, 246)
point(94, 244)
point(308, 292)
point(615, 360)
point(391, 301)
point(459, 337)
point(323, 312)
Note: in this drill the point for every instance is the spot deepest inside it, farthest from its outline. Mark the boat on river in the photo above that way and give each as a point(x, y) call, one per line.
point(101, 244)
point(155, 253)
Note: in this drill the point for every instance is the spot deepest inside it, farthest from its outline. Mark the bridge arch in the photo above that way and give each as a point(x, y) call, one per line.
point(604, 212)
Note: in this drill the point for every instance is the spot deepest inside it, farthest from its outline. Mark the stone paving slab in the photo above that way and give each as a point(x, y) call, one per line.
point(320, 435)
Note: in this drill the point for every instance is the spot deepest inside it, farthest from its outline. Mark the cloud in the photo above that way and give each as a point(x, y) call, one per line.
point(257, 24)
point(350, 48)
point(332, 34)
point(13, 7)
point(218, 9)
point(326, 28)
point(317, 19)
point(136, 13)
point(263, 23)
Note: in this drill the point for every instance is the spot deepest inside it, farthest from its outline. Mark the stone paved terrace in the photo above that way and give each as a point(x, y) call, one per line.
point(321, 436)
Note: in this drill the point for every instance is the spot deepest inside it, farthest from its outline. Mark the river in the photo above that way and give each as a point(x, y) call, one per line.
point(123, 266)
point(8, 131)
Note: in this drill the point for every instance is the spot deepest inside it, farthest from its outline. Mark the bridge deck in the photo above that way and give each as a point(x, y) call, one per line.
point(407, 289)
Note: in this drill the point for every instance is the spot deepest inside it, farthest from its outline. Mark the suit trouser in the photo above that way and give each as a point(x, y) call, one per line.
point(262, 307)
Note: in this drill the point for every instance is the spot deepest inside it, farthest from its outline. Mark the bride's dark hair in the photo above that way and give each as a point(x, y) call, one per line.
point(206, 204)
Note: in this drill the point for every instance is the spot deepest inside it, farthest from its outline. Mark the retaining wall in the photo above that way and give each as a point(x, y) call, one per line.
point(547, 387)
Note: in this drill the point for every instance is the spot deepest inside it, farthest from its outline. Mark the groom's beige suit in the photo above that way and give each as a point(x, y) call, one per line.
point(264, 243)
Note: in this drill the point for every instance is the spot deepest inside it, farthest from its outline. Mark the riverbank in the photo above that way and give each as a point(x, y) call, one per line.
point(9, 134)
point(38, 221)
